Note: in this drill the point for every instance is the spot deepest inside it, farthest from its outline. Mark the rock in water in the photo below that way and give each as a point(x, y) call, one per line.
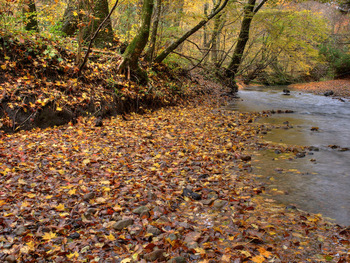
point(286, 92)
point(328, 93)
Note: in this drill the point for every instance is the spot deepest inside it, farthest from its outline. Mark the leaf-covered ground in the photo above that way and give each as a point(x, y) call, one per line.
point(340, 87)
point(172, 185)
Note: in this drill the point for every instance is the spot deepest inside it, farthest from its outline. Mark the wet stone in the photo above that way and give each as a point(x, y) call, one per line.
point(20, 231)
point(155, 255)
point(177, 260)
point(219, 204)
point(213, 195)
point(189, 193)
point(123, 223)
point(89, 196)
point(153, 230)
point(10, 259)
point(74, 235)
point(140, 210)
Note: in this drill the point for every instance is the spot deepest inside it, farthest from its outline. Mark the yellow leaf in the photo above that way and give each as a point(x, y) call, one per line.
point(49, 236)
point(2, 202)
point(200, 250)
point(72, 191)
point(258, 259)
point(31, 245)
point(60, 207)
point(31, 195)
point(58, 108)
point(3, 67)
point(264, 252)
point(246, 253)
point(75, 13)
point(64, 214)
point(126, 260)
point(86, 161)
point(21, 181)
point(75, 254)
point(110, 237)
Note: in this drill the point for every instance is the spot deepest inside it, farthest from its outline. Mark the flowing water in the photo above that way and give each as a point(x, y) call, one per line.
point(319, 182)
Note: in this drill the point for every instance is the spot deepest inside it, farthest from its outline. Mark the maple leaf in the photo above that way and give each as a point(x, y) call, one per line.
point(48, 236)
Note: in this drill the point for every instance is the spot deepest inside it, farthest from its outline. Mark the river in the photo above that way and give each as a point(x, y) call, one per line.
point(319, 182)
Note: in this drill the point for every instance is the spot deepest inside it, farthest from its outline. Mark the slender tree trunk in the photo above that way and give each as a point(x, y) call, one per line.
point(153, 39)
point(205, 33)
point(218, 25)
point(217, 9)
point(29, 14)
point(243, 38)
point(137, 45)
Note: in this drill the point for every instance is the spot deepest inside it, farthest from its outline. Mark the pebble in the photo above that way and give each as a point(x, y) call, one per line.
point(10, 259)
point(177, 260)
point(123, 223)
point(153, 230)
point(158, 254)
point(89, 196)
point(140, 210)
point(20, 231)
point(219, 204)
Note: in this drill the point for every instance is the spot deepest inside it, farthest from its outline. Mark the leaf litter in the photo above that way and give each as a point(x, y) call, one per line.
point(171, 185)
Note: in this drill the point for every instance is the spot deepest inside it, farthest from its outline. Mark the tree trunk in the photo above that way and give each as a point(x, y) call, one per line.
point(29, 14)
point(205, 33)
point(243, 38)
point(105, 36)
point(72, 17)
point(218, 25)
point(137, 45)
point(217, 9)
point(153, 39)
point(70, 21)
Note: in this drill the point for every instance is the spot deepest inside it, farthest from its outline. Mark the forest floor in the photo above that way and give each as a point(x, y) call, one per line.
point(340, 87)
point(170, 185)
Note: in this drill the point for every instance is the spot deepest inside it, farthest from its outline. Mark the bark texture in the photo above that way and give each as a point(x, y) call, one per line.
point(130, 65)
point(153, 39)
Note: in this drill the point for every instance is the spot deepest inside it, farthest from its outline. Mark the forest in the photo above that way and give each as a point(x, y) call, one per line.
point(119, 143)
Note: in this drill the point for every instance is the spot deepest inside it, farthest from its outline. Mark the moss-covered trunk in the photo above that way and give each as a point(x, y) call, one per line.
point(243, 38)
point(133, 52)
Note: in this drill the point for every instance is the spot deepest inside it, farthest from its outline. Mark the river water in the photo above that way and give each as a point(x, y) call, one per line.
point(319, 182)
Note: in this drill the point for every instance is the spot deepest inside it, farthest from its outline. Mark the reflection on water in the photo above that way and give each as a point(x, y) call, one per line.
point(319, 183)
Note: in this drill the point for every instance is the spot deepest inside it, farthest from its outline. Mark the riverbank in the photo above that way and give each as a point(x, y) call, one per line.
point(171, 185)
point(340, 87)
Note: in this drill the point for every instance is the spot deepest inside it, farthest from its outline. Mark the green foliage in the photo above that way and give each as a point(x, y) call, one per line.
point(338, 59)
point(284, 45)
